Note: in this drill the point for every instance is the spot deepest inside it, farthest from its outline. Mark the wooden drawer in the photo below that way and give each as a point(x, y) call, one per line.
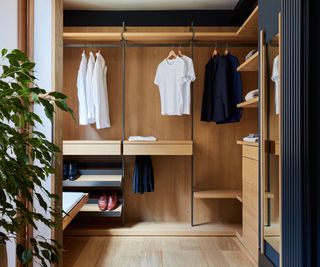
point(91, 147)
point(250, 171)
point(250, 196)
point(251, 152)
point(251, 240)
point(250, 217)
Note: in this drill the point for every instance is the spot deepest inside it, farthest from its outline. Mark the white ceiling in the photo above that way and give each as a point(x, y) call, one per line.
point(149, 4)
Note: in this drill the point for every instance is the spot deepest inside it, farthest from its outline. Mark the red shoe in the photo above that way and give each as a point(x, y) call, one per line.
point(112, 201)
point(102, 202)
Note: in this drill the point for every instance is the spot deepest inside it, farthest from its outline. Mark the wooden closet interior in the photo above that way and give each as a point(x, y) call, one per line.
point(198, 166)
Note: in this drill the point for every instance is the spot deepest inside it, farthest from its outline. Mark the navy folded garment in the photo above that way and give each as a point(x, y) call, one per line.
point(143, 178)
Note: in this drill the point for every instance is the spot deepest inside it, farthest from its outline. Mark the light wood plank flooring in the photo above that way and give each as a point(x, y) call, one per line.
point(142, 251)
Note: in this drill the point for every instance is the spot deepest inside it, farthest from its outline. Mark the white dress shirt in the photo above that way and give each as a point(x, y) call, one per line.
point(100, 93)
point(89, 96)
point(81, 85)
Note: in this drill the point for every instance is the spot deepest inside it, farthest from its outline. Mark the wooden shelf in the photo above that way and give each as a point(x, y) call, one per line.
point(95, 181)
point(251, 64)
point(91, 147)
point(169, 147)
point(250, 26)
point(92, 36)
point(223, 194)
point(94, 210)
point(153, 229)
point(247, 143)
point(252, 103)
point(157, 36)
point(274, 147)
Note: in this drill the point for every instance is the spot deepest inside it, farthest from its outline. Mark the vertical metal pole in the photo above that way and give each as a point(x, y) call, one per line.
point(192, 100)
point(123, 58)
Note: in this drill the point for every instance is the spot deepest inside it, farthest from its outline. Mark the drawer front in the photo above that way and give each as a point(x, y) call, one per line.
point(250, 196)
point(250, 217)
point(250, 171)
point(251, 152)
point(251, 240)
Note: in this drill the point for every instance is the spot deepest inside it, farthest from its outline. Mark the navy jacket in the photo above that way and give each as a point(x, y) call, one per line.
point(222, 90)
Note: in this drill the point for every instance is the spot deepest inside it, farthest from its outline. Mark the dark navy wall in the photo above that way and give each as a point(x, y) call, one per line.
point(268, 17)
point(314, 110)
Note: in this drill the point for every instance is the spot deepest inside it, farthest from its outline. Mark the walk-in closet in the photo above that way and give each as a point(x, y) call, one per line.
point(205, 172)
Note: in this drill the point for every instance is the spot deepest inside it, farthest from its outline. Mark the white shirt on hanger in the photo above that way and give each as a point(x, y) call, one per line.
point(100, 93)
point(170, 77)
point(89, 96)
point(81, 86)
point(186, 90)
point(276, 78)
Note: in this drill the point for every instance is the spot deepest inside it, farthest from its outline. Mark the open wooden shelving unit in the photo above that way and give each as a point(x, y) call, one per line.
point(95, 181)
point(252, 103)
point(122, 37)
point(161, 147)
point(219, 194)
point(251, 64)
point(91, 147)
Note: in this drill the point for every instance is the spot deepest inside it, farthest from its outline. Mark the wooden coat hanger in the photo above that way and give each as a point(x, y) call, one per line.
point(179, 52)
point(171, 54)
point(215, 52)
point(226, 52)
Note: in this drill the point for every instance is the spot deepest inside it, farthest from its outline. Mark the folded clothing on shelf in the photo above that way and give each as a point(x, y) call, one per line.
point(252, 94)
point(250, 54)
point(142, 138)
point(251, 138)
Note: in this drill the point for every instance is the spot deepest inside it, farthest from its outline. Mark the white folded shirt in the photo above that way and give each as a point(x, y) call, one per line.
point(252, 94)
point(251, 138)
point(142, 138)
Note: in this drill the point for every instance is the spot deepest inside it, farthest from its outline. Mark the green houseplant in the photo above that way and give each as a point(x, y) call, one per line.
point(26, 158)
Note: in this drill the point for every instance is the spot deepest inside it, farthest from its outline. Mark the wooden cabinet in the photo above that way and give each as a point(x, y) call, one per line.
point(250, 198)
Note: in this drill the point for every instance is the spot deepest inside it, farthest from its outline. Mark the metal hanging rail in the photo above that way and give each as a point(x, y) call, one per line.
point(97, 45)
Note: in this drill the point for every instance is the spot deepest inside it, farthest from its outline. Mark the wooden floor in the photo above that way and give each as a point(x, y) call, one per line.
point(137, 251)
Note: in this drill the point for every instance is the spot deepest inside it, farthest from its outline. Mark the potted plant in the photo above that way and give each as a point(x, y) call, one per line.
point(26, 158)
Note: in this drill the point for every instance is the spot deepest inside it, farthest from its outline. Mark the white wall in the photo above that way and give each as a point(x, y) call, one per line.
point(43, 60)
point(9, 40)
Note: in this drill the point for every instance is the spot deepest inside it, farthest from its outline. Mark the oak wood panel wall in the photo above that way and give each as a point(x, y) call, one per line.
point(171, 199)
point(71, 61)
point(217, 157)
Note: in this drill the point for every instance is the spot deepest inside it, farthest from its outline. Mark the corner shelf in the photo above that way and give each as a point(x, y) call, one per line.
point(251, 64)
point(252, 103)
point(91, 147)
point(218, 194)
point(93, 209)
point(161, 147)
point(94, 181)
point(250, 26)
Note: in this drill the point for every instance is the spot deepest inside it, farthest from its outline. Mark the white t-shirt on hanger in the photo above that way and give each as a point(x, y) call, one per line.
point(186, 90)
point(81, 86)
point(170, 77)
point(100, 93)
point(276, 78)
point(90, 105)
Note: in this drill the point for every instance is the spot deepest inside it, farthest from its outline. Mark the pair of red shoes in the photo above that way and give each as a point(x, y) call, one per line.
point(107, 202)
